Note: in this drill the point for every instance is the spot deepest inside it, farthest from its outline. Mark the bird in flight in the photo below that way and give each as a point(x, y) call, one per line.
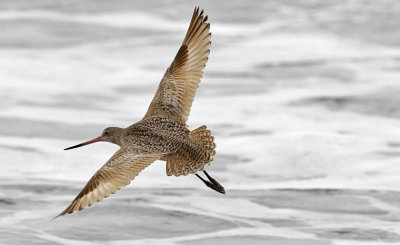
point(162, 133)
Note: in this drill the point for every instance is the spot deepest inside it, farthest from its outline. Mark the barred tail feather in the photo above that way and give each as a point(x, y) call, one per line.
point(203, 138)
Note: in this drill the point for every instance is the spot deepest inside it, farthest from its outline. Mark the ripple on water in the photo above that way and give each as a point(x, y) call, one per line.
point(359, 234)
point(324, 201)
point(123, 222)
point(33, 128)
point(254, 240)
point(380, 103)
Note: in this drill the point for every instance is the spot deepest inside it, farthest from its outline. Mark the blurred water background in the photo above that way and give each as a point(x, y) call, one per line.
point(302, 97)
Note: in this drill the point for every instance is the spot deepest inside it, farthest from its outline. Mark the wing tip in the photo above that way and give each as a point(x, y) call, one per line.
point(200, 14)
point(55, 218)
point(62, 214)
point(198, 25)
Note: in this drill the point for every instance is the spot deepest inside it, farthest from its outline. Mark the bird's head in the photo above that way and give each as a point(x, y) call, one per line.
point(111, 134)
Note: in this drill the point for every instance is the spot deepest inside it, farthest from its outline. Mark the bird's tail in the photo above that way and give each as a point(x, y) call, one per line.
point(202, 137)
point(197, 154)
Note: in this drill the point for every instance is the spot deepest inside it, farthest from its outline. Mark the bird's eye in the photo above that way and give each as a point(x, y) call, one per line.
point(106, 133)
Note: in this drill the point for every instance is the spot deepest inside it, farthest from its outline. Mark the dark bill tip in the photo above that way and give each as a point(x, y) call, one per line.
point(72, 147)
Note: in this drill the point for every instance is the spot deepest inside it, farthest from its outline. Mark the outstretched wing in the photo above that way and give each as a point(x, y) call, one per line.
point(118, 172)
point(176, 91)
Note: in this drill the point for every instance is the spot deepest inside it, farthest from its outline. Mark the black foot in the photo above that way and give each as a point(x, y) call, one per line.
point(216, 183)
point(213, 186)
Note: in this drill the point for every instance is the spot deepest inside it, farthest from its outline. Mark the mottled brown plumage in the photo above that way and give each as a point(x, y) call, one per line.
point(162, 133)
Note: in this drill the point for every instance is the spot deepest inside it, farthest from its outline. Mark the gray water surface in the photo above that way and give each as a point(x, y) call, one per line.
point(301, 96)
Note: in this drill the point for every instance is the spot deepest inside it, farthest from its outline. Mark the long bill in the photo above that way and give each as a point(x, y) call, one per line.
point(84, 143)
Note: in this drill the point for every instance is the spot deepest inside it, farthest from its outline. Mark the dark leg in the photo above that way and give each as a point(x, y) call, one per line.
point(218, 185)
point(211, 185)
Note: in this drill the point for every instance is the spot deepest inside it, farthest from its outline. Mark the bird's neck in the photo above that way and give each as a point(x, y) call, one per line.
point(116, 138)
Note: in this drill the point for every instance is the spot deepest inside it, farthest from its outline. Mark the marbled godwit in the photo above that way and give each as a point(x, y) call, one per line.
point(162, 133)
